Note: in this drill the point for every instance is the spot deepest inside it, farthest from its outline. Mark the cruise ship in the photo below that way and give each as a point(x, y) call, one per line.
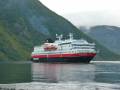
point(64, 50)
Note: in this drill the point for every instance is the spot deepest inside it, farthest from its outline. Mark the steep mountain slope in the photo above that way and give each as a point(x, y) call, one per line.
point(109, 36)
point(25, 23)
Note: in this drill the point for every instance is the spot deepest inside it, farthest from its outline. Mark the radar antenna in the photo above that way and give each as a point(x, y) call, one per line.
point(59, 37)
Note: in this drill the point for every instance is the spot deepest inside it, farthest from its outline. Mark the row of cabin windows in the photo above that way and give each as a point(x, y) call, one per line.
point(83, 47)
point(78, 51)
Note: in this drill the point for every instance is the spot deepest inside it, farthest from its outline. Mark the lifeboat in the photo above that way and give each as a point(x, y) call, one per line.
point(50, 47)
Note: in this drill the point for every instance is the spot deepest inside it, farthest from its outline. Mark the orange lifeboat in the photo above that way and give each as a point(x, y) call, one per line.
point(50, 47)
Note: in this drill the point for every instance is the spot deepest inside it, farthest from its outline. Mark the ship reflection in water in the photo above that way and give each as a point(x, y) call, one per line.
point(56, 73)
point(65, 76)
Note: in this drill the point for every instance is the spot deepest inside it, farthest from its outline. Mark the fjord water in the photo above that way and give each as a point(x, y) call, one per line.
point(56, 76)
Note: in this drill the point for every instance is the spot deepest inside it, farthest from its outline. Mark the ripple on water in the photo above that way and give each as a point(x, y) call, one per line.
point(59, 86)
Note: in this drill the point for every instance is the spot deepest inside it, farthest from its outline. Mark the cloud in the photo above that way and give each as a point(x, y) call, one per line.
point(94, 18)
point(87, 12)
point(72, 6)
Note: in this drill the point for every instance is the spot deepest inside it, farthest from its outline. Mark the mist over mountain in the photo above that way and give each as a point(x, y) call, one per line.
point(26, 23)
point(108, 36)
point(93, 18)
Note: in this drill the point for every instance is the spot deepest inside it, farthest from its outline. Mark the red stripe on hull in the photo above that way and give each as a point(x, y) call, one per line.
point(64, 55)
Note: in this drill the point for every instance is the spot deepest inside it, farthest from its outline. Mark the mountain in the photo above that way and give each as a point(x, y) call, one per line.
point(26, 23)
point(108, 36)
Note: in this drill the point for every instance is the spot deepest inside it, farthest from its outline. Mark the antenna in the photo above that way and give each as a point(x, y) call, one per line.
point(71, 36)
point(61, 36)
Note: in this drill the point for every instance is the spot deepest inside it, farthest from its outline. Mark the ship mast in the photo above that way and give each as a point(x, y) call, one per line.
point(71, 36)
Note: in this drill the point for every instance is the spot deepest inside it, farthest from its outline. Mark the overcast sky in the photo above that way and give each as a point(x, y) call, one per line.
point(87, 12)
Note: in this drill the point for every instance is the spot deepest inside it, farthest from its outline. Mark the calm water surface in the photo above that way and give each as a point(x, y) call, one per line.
point(48, 76)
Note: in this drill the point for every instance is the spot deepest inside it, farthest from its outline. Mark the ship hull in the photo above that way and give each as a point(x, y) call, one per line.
point(84, 58)
point(67, 60)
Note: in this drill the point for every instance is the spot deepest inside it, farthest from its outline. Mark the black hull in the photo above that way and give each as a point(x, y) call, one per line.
point(67, 60)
